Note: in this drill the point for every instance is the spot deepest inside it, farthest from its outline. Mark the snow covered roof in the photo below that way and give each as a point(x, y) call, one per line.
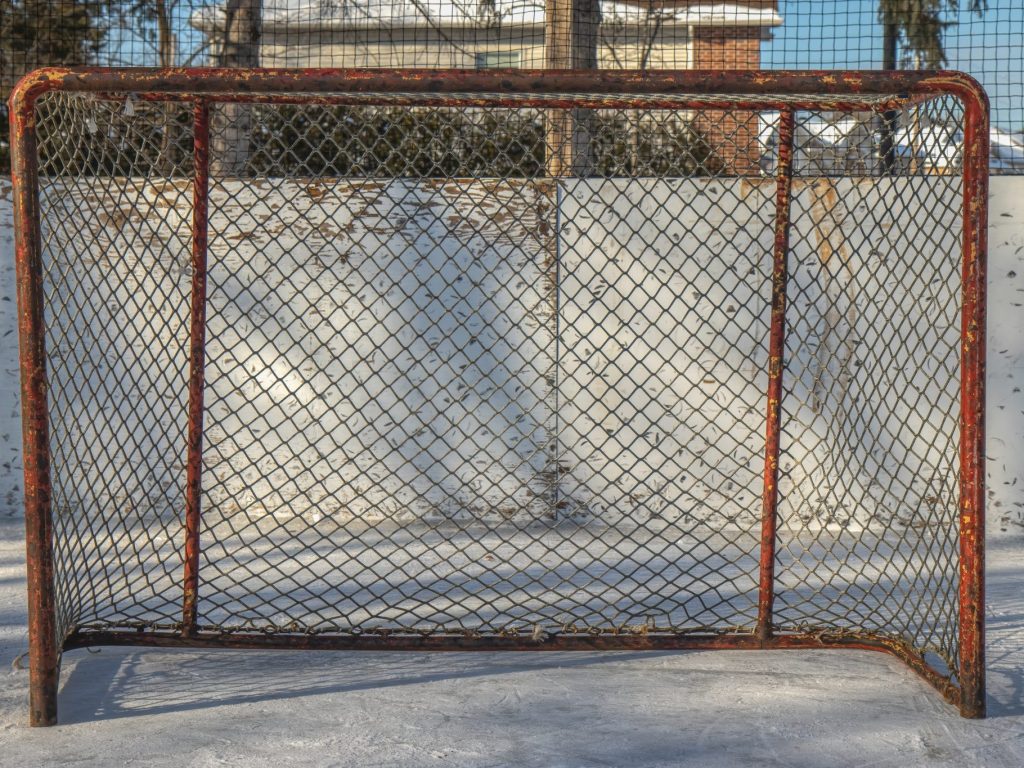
point(325, 14)
point(1007, 150)
point(935, 144)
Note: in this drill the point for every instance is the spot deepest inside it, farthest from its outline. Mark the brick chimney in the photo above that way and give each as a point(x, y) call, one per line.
point(719, 44)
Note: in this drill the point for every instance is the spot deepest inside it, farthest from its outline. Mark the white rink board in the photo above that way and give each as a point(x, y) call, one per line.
point(663, 311)
point(1006, 420)
point(401, 339)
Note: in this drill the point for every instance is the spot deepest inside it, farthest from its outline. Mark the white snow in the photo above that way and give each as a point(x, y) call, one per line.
point(1007, 150)
point(837, 141)
point(800, 709)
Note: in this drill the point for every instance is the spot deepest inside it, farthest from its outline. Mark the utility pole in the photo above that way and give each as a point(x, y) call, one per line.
point(890, 46)
point(570, 42)
point(232, 123)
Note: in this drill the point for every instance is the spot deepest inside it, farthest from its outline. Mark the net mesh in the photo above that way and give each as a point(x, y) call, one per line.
point(450, 392)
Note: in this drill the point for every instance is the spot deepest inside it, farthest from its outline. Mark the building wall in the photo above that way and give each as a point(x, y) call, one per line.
point(622, 48)
point(727, 47)
point(733, 135)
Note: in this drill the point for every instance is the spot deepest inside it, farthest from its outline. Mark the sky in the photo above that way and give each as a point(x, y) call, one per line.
point(845, 33)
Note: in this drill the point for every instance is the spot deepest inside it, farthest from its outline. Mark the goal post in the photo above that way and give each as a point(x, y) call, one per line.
point(400, 381)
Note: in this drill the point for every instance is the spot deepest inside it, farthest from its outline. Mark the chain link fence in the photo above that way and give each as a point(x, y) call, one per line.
point(984, 38)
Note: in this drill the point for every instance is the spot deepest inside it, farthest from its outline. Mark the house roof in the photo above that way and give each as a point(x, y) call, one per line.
point(935, 144)
point(348, 14)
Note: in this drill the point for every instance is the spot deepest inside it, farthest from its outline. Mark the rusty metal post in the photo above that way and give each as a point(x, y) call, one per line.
point(197, 362)
point(776, 354)
point(972, 406)
point(44, 653)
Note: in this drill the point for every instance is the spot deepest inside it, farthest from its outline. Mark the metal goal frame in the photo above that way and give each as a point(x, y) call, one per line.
point(756, 91)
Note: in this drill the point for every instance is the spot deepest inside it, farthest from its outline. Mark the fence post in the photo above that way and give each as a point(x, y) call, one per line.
point(571, 43)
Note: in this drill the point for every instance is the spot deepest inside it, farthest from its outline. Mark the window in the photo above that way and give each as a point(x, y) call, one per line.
point(497, 60)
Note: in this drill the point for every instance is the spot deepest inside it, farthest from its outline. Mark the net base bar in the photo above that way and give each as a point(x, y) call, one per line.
point(397, 641)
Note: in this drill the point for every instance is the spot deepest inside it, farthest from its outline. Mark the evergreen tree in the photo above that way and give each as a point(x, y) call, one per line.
point(919, 25)
point(39, 33)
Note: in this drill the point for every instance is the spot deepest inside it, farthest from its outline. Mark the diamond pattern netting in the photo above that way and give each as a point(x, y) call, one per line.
point(448, 392)
point(117, 234)
point(873, 362)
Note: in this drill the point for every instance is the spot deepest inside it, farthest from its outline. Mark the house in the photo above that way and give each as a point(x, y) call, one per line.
point(481, 34)
point(634, 34)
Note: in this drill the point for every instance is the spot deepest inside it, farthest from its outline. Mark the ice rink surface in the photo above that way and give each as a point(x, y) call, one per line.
point(152, 707)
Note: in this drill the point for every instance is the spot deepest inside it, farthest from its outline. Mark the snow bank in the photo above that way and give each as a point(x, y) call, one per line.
point(163, 708)
point(850, 145)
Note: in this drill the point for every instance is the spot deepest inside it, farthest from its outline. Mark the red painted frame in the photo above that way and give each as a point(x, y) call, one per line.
point(783, 91)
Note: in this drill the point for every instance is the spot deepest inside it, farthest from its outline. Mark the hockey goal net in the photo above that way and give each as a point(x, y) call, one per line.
point(345, 359)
